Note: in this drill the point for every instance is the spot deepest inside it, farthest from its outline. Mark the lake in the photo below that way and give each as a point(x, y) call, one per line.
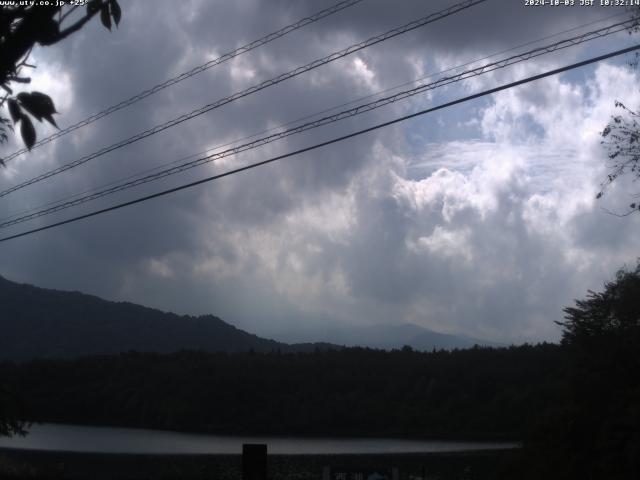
point(75, 438)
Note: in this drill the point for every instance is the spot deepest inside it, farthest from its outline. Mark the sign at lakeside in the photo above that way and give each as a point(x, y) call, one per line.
point(254, 461)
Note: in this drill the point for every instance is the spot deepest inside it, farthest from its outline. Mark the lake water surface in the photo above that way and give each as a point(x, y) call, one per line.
point(76, 438)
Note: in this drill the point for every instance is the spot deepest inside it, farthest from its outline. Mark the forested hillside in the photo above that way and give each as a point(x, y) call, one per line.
point(42, 323)
point(475, 393)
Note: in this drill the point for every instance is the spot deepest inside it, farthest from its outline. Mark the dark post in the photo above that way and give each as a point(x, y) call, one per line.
point(254, 461)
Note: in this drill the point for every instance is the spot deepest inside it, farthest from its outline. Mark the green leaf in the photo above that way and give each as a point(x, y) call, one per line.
point(25, 102)
point(44, 102)
point(14, 110)
point(50, 119)
point(104, 16)
point(116, 12)
point(39, 105)
point(28, 132)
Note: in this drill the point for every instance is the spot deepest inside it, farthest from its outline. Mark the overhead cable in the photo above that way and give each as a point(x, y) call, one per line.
point(300, 119)
point(297, 120)
point(474, 72)
point(194, 71)
point(256, 88)
point(323, 144)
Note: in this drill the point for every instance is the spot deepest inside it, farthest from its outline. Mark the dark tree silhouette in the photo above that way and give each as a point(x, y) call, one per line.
point(615, 311)
point(595, 431)
point(12, 413)
point(621, 137)
point(622, 140)
point(21, 28)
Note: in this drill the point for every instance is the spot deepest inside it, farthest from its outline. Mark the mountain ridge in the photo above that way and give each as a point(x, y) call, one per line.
point(48, 323)
point(390, 336)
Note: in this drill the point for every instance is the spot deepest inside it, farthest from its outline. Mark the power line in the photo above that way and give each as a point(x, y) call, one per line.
point(536, 52)
point(194, 71)
point(256, 88)
point(306, 117)
point(328, 142)
point(300, 119)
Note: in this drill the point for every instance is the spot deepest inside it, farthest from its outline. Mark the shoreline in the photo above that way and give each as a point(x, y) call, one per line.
point(39, 464)
point(465, 438)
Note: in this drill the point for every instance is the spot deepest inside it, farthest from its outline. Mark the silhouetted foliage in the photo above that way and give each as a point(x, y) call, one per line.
point(622, 140)
point(13, 420)
point(595, 431)
point(613, 312)
point(621, 137)
point(22, 26)
point(577, 404)
point(481, 393)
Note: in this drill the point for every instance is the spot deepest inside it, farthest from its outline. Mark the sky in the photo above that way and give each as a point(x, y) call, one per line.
point(479, 219)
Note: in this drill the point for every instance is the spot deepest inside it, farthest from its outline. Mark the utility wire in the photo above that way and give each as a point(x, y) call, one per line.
point(300, 119)
point(328, 142)
point(306, 117)
point(327, 120)
point(194, 71)
point(256, 88)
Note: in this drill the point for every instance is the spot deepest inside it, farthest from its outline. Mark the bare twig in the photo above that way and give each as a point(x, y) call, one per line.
point(67, 13)
point(619, 215)
point(76, 26)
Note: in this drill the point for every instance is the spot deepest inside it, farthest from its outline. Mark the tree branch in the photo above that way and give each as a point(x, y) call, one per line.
point(619, 215)
point(76, 26)
point(67, 13)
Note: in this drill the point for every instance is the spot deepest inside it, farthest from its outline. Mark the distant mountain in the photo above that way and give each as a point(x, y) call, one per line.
point(42, 323)
point(396, 336)
point(417, 337)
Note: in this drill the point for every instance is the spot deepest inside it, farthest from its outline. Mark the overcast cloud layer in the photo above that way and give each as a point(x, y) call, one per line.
point(480, 219)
